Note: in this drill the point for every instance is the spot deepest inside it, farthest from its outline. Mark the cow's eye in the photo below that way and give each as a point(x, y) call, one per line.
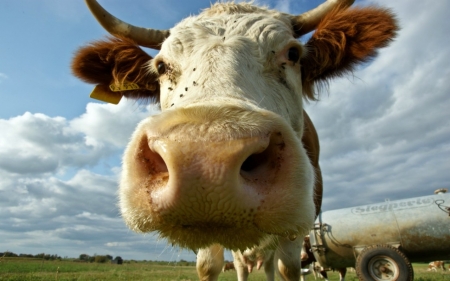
point(293, 54)
point(161, 67)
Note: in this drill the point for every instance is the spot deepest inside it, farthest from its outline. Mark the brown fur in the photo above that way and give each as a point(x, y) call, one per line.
point(115, 61)
point(344, 38)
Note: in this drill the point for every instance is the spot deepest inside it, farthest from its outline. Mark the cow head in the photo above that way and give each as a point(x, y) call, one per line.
point(232, 158)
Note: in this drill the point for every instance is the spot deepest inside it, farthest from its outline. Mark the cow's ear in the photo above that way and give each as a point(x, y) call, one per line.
point(344, 38)
point(118, 67)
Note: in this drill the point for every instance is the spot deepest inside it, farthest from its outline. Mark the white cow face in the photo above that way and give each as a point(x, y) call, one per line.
point(247, 60)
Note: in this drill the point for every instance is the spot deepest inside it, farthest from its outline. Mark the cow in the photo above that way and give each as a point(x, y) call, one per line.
point(434, 265)
point(228, 266)
point(232, 159)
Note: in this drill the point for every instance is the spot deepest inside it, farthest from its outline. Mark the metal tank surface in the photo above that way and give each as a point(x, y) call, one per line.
point(382, 239)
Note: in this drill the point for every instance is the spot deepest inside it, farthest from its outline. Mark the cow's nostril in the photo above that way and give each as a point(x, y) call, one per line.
point(159, 164)
point(264, 163)
point(259, 160)
point(254, 161)
point(151, 162)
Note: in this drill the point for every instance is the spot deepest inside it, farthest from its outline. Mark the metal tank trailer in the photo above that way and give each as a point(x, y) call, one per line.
point(381, 240)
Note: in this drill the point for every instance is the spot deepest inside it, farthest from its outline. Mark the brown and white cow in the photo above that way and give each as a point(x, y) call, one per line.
point(434, 265)
point(232, 159)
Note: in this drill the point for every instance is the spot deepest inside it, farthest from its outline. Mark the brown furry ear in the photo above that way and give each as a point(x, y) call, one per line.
point(116, 61)
point(344, 38)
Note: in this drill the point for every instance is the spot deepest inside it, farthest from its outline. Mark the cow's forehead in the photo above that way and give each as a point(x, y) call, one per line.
point(266, 27)
point(243, 50)
point(241, 8)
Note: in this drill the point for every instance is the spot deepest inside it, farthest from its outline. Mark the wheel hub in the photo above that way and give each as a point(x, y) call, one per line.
point(383, 268)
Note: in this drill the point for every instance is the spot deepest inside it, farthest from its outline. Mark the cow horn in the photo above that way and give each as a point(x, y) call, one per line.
point(151, 38)
point(308, 21)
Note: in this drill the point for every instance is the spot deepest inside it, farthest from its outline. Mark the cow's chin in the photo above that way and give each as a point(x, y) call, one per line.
point(198, 182)
point(201, 236)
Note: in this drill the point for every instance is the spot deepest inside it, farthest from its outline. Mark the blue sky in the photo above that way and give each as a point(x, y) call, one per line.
point(384, 132)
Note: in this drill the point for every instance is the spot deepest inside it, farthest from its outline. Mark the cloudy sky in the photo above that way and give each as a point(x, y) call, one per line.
point(384, 132)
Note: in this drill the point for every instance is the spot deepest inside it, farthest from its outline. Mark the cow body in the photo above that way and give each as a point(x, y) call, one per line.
point(435, 265)
point(232, 160)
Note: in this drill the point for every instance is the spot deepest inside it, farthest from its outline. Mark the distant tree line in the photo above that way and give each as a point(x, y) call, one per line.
point(100, 258)
point(43, 256)
point(38, 256)
point(95, 258)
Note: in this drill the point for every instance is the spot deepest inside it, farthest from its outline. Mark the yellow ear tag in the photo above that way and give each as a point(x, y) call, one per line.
point(103, 93)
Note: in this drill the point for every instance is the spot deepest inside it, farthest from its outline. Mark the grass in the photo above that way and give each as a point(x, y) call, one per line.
point(18, 269)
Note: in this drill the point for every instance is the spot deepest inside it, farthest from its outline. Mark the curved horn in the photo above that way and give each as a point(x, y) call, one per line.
point(151, 38)
point(308, 21)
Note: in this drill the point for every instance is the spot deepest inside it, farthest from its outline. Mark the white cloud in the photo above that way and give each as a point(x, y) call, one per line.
point(36, 144)
point(107, 123)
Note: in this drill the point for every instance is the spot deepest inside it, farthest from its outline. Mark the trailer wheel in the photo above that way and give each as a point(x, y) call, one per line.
point(383, 262)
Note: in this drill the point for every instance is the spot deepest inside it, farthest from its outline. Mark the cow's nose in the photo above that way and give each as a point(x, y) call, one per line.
point(176, 169)
point(221, 170)
point(250, 158)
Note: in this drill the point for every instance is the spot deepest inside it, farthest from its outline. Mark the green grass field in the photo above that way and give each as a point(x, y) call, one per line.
point(34, 269)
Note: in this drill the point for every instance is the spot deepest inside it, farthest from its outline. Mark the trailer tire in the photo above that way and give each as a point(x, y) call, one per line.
point(383, 262)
